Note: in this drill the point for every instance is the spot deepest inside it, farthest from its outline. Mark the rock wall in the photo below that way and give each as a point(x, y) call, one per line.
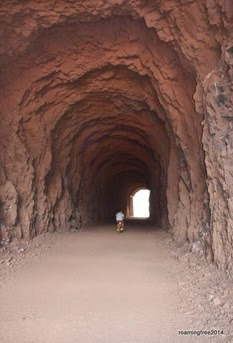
point(99, 98)
point(218, 146)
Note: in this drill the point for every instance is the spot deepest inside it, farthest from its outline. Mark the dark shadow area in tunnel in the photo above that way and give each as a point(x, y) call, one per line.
point(119, 165)
point(132, 222)
point(132, 225)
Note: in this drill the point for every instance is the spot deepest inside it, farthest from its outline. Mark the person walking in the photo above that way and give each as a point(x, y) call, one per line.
point(120, 221)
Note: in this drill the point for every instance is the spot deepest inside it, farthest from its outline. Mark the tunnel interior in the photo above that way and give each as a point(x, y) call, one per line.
point(111, 149)
point(101, 99)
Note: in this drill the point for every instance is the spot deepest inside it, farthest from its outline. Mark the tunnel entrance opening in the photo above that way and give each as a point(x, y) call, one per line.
point(140, 203)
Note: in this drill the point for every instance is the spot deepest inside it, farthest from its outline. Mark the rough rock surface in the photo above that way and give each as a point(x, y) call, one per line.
point(99, 98)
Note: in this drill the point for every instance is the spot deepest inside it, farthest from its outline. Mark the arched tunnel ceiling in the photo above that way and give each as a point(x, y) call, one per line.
point(99, 98)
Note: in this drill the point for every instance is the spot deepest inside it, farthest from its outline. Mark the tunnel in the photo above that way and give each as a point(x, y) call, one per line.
point(99, 99)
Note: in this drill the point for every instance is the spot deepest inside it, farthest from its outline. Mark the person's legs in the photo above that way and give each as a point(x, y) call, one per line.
point(122, 226)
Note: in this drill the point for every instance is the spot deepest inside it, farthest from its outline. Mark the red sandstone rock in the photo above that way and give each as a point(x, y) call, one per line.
point(99, 98)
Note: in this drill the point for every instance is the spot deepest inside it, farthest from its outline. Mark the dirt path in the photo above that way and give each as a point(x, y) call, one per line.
point(98, 286)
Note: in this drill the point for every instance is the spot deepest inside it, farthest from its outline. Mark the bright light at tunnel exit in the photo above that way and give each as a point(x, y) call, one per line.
point(141, 203)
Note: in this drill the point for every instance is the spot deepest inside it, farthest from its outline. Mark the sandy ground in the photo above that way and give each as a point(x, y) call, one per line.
point(98, 286)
